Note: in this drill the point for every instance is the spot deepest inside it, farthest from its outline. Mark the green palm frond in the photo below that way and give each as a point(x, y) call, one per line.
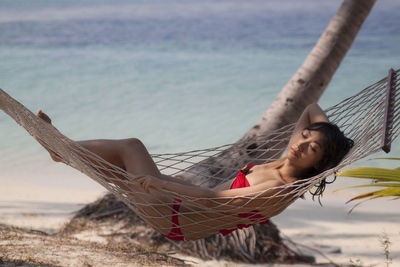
point(389, 158)
point(379, 174)
point(388, 179)
point(384, 184)
point(388, 192)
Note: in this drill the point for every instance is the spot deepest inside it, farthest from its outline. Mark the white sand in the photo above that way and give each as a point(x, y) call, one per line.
point(343, 237)
point(45, 208)
point(358, 235)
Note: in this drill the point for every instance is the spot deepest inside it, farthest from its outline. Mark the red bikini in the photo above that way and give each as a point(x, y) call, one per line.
point(254, 216)
point(176, 233)
point(239, 182)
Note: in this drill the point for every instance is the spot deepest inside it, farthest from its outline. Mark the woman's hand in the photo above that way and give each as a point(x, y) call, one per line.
point(147, 181)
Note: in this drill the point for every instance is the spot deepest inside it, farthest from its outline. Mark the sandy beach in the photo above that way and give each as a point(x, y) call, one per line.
point(343, 238)
point(178, 75)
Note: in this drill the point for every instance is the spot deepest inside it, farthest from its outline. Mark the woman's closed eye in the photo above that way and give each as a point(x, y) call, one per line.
point(306, 134)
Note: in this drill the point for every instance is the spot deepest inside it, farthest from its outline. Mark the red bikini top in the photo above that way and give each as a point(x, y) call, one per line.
point(254, 216)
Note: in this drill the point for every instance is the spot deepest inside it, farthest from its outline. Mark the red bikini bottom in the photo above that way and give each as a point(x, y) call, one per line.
point(175, 233)
point(239, 182)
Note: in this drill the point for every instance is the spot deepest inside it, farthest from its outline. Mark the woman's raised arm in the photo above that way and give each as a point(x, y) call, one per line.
point(311, 114)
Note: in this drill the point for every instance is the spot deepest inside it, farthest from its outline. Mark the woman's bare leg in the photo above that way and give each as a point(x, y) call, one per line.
point(129, 154)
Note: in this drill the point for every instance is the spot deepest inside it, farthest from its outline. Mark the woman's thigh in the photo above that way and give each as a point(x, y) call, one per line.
point(136, 158)
point(129, 154)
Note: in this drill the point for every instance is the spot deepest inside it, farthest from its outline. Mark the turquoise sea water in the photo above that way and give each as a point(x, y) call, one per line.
point(177, 74)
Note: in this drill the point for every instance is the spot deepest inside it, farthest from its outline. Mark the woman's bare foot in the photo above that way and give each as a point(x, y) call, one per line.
point(47, 119)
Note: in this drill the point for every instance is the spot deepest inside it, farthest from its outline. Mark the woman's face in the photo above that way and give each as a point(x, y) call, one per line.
point(305, 149)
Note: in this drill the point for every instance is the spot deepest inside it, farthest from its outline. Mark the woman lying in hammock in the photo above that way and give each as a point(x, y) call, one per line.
point(256, 194)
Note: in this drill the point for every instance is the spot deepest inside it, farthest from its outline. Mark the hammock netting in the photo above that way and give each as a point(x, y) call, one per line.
point(370, 118)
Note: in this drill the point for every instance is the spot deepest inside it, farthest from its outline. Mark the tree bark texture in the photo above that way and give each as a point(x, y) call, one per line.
point(309, 82)
point(305, 87)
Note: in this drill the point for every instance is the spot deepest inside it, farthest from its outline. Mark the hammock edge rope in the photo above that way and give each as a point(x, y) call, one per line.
point(372, 105)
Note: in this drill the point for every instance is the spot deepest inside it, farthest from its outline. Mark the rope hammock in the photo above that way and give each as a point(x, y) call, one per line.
point(370, 118)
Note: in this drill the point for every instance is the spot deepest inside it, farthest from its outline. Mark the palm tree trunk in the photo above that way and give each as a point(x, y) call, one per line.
point(305, 87)
point(311, 79)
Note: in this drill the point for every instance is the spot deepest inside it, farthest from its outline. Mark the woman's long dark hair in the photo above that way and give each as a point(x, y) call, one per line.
point(336, 145)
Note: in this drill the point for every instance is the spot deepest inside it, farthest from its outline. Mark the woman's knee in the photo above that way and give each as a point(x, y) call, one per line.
point(133, 145)
point(137, 159)
point(133, 142)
